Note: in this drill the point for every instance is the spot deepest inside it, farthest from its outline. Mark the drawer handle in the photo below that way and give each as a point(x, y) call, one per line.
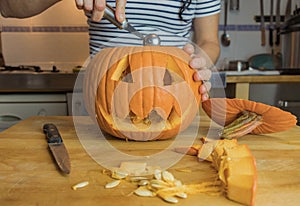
point(9, 118)
point(286, 104)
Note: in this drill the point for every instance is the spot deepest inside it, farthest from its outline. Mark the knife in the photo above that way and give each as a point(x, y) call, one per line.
point(57, 147)
point(2, 62)
point(277, 42)
point(288, 9)
point(262, 25)
point(271, 28)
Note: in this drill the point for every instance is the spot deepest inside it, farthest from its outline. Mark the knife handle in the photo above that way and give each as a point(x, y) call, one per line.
point(52, 134)
point(271, 37)
point(277, 42)
point(263, 36)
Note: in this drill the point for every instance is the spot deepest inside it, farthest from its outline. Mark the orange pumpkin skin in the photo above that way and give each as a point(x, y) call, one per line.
point(224, 111)
point(141, 93)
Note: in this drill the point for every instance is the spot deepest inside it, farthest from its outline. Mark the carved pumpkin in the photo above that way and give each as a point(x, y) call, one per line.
point(141, 93)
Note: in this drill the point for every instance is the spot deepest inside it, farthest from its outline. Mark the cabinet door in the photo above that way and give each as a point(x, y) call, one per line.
point(12, 113)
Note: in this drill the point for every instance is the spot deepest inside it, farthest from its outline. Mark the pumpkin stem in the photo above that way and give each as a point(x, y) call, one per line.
point(243, 125)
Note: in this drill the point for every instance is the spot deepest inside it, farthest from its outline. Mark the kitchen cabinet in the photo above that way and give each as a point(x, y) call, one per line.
point(15, 107)
point(26, 93)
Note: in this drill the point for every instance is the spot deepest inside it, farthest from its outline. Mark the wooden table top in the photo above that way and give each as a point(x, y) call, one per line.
point(29, 176)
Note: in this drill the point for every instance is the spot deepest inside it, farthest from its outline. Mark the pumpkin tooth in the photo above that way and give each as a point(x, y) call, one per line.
point(147, 121)
point(134, 118)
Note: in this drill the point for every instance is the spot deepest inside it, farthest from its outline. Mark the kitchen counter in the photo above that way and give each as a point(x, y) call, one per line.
point(37, 82)
point(29, 176)
point(263, 78)
point(242, 82)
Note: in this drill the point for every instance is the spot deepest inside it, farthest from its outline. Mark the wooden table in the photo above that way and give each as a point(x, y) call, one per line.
point(29, 177)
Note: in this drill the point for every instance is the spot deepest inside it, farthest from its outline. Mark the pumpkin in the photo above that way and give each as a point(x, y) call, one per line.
point(235, 164)
point(141, 93)
point(241, 117)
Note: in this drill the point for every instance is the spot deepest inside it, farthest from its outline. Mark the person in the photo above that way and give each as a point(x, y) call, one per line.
point(172, 19)
point(175, 17)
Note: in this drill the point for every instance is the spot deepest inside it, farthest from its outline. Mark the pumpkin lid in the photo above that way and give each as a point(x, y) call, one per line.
point(224, 111)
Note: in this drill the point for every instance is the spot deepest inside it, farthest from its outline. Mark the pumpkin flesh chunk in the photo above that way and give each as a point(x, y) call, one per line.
point(241, 188)
point(236, 168)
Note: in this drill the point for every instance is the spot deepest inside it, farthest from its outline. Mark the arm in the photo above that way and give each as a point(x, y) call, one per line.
point(206, 37)
point(24, 8)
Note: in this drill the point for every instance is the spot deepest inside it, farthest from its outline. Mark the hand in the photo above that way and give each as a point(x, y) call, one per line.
point(202, 74)
point(96, 7)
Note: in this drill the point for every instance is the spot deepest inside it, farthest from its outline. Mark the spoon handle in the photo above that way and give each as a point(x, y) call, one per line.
point(225, 15)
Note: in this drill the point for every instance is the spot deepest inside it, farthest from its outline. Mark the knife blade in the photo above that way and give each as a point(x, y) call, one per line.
point(288, 9)
point(57, 147)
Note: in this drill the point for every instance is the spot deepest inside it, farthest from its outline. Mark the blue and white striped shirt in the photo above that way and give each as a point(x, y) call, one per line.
point(151, 16)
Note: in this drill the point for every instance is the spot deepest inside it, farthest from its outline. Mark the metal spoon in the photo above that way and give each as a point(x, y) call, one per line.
point(149, 39)
point(225, 38)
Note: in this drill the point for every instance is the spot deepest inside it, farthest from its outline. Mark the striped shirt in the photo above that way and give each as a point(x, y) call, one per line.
point(151, 16)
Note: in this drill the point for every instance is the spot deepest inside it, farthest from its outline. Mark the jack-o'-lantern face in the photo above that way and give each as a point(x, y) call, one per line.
point(148, 93)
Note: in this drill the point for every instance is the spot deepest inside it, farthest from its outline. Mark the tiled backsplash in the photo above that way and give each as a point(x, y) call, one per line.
point(60, 35)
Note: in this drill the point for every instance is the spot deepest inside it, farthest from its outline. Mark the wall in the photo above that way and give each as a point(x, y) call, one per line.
point(59, 35)
point(245, 32)
point(56, 36)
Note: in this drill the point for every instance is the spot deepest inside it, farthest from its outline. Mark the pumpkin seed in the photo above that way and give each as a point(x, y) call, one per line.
point(167, 176)
point(112, 184)
point(119, 174)
point(157, 174)
point(177, 183)
point(135, 179)
point(143, 183)
point(181, 195)
point(170, 199)
point(143, 192)
point(80, 185)
point(158, 184)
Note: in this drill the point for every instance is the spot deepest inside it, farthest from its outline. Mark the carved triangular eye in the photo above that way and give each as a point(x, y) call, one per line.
point(123, 71)
point(126, 75)
point(168, 79)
